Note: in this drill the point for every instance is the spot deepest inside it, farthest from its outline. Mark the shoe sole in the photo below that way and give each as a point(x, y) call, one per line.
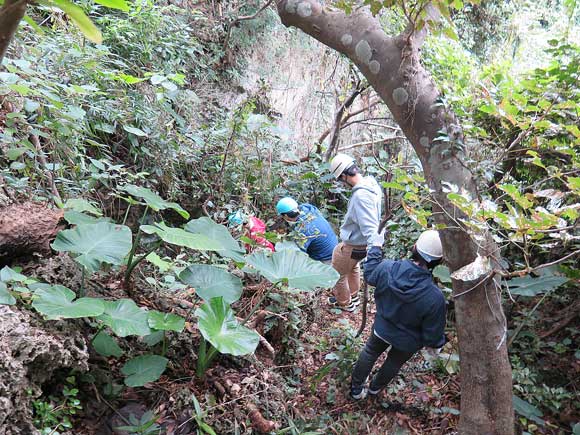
point(350, 307)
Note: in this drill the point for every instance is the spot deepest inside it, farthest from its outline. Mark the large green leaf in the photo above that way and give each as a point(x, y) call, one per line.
point(106, 345)
point(219, 233)
point(219, 326)
point(82, 205)
point(74, 217)
point(528, 286)
point(153, 200)
point(211, 282)
point(294, 268)
point(179, 237)
point(7, 274)
point(165, 321)
point(94, 244)
point(5, 297)
point(115, 4)
point(76, 14)
point(56, 302)
point(527, 410)
point(125, 318)
point(143, 369)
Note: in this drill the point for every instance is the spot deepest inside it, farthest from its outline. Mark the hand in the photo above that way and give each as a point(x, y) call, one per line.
point(378, 239)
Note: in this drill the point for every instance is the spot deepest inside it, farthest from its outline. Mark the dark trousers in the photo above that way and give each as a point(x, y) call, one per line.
point(374, 347)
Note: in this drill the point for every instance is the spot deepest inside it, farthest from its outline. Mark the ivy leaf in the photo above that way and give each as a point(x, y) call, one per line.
point(143, 369)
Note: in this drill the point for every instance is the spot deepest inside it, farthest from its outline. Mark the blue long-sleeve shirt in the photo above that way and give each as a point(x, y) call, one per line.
point(410, 307)
point(313, 234)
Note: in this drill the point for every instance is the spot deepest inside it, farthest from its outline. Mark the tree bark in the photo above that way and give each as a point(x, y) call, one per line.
point(393, 68)
point(11, 13)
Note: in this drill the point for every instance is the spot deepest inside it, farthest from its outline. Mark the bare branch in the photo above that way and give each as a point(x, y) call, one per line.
point(346, 118)
point(338, 120)
point(371, 142)
point(243, 18)
point(535, 269)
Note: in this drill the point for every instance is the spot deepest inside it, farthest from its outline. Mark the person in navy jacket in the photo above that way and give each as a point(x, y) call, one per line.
point(410, 311)
point(311, 231)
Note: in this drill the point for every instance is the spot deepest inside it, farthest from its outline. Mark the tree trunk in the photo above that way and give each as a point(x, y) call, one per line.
point(28, 228)
point(11, 13)
point(392, 67)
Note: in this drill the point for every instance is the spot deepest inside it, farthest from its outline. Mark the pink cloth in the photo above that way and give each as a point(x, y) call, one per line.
point(257, 228)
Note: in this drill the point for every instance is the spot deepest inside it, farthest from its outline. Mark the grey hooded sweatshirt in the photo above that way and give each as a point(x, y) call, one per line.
point(363, 214)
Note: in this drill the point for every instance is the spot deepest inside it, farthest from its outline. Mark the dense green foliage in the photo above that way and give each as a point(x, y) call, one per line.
point(139, 132)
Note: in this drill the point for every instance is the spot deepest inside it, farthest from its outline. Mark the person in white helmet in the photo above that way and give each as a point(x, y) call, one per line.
point(360, 224)
point(410, 311)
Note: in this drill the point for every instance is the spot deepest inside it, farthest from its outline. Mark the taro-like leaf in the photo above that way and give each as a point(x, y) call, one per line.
point(5, 297)
point(74, 217)
point(294, 268)
point(143, 369)
point(7, 274)
point(125, 318)
point(211, 282)
point(179, 237)
point(528, 286)
point(153, 200)
point(57, 302)
point(219, 326)
point(166, 321)
point(82, 205)
point(527, 410)
point(106, 345)
point(219, 233)
point(94, 244)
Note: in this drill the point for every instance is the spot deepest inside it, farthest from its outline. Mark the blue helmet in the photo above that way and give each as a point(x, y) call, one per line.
point(286, 205)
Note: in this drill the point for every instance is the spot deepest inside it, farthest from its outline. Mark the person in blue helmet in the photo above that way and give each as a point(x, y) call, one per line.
point(311, 231)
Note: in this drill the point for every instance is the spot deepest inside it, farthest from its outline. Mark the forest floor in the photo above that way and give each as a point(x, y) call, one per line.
point(300, 385)
point(297, 382)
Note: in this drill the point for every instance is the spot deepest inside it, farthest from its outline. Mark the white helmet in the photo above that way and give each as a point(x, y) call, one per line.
point(340, 163)
point(429, 245)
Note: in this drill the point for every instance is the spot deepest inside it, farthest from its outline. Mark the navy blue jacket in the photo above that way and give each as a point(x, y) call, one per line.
point(410, 307)
point(313, 234)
